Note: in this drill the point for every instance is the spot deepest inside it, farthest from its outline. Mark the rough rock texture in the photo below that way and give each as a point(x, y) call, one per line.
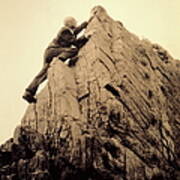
point(113, 116)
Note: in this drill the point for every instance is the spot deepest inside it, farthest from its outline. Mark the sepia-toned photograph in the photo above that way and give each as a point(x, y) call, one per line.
point(90, 90)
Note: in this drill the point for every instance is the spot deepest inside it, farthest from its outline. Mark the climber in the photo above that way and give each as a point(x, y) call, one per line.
point(64, 46)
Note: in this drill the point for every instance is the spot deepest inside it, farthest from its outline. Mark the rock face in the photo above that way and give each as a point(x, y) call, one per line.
point(113, 116)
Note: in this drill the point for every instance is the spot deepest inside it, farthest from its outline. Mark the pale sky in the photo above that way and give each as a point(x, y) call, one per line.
point(27, 26)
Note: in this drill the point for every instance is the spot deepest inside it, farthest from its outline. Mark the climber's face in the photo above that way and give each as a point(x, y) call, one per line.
point(70, 22)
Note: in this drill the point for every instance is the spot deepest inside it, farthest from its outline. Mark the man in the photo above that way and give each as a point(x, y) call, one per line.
point(64, 46)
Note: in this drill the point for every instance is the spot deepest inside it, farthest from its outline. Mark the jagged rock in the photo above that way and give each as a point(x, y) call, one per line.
point(113, 116)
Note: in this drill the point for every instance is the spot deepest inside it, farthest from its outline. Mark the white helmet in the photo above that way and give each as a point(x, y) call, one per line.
point(70, 22)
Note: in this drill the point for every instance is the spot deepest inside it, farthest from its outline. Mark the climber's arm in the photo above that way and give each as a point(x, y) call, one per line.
point(80, 28)
point(83, 39)
point(80, 41)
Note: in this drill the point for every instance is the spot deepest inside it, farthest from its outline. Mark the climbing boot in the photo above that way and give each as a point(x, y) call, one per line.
point(72, 61)
point(29, 97)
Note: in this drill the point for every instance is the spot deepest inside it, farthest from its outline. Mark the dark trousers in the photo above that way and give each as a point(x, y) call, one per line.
point(50, 53)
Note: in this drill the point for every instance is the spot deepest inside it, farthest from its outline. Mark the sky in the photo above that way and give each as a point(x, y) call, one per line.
point(27, 27)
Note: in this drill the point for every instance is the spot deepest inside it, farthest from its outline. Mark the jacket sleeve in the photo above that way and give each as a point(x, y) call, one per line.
point(81, 41)
point(80, 28)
